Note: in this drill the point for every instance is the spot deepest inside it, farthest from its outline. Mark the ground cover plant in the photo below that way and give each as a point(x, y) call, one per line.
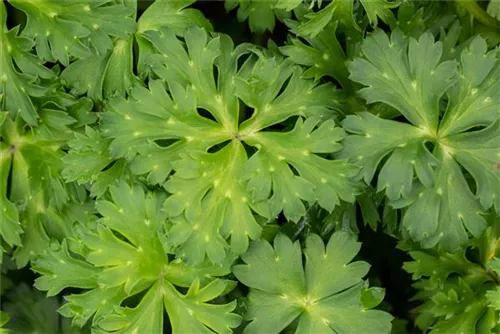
point(273, 166)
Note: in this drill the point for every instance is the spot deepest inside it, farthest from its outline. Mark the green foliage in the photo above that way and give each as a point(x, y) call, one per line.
point(407, 74)
point(281, 290)
point(33, 313)
point(125, 254)
point(169, 167)
point(459, 295)
point(213, 194)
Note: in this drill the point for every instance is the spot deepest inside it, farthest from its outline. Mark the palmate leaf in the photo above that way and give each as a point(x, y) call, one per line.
point(458, 295)
point(172, 14)
point(20, 73)
point(101, 76)
point(323, 54)
point(34, 172)
point(108, 74)
point(31, 160)
point(61, 29)
point(113, 268)
point(261, 15)
point(214, 193)
point(342, 12)
point(282, 290)
point(440, 206)
point(89, 162)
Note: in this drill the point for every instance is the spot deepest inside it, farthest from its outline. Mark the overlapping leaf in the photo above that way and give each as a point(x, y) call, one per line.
point(126, 254)
point(161, 129)
point(458, 295)
point(343, 12)
point(20, 75)
point(261, 15)
point(75, 28)
point(409, 76)
point(38, 200)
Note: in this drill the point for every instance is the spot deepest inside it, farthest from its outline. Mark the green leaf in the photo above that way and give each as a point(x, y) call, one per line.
point(479, 152)
point(473, 98)
point(124, 254)
point(10, 229)
point(62, 29)
point(147, 317)
point(189, 122)
point(342, 11)
point(171, 14)
point(260, 14)
point(94, 303)
point(4, 319)
point(375, 138)
point(105, 75)
point(60, 270)
point(440, 208)
point(494, 9)
point(288, 5)
point(40, 194)
point(191, 313)
point(319, 179)
point(376, 9)
point(453, 292)
point(21, 71)
point(494, 298)
point(36, 166)
point(323, 55)
point(87, 162)
point(372, 297)
point(281, 290)
point(406, 75)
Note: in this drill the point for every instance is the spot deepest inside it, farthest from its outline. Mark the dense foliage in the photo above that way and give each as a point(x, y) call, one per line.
point(278, 166)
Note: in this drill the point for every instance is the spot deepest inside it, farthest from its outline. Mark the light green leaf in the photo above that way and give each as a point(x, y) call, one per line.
point(94, 303)
point(147, 317)
point(317, 21)
point(62, 28)
point(189, 123)
point(171, 14)
point(105, 75)
point(124, 254)
point(375, 138)
point(494, 9)
point(20, 75)
point(405, 75)
point(10, 228)
point(61, 270)
point(318, 179)
point(191, 313)
point(440, 208)
point(323, 55)
point(260, 14)
point(281, 290)
point(89, 161)
point(376, 9)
